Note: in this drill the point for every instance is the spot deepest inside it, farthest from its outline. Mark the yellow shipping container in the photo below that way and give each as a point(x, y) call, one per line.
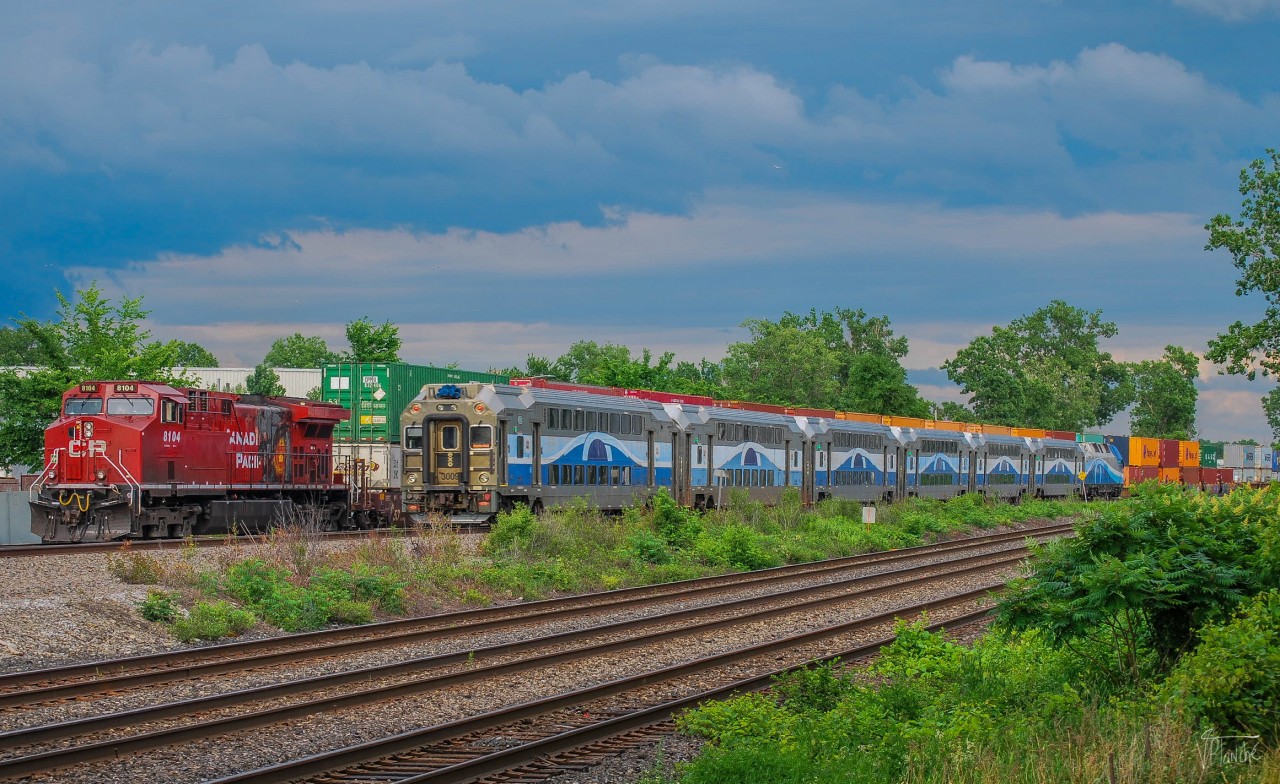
point(907, 421)
point(1189, 454)
point(997, 430)
point(1144, 451)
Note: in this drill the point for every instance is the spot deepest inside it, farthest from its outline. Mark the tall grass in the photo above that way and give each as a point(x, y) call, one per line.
point(570, 549)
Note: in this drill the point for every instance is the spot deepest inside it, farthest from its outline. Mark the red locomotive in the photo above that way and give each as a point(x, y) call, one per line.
point(147, 460)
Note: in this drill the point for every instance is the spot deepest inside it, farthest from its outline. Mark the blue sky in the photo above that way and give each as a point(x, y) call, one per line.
point(500, 178)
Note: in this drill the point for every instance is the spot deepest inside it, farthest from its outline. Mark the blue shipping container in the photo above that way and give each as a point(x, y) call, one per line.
point(1119, 446)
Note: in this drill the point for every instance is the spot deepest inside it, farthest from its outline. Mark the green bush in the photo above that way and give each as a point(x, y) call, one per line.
point(512, 529)
point(735, 546)
point(1144, 576)
point(678, 527)
point(213, 621)
point(159, 607)
point(371, 584)
point(816, 688)
point(254, 580)
point(331, 595)
point(1232, 680)
point(351, 611)
point(647, 547)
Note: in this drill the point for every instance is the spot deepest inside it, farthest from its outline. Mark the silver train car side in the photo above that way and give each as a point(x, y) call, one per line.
point(473, 450)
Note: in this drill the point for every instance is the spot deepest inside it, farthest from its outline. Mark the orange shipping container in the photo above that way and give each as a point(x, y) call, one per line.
point(1189, 454)
point(907, 421)
point(853, 416)
point(1171, 475)
point(1029, 432)
point(1144, 452)
point(997, 430)
point(942, 424)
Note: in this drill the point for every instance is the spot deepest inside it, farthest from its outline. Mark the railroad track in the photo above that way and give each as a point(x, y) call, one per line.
point(77, 680)
point(44, 747)
point(457, 752)
point(22, 550)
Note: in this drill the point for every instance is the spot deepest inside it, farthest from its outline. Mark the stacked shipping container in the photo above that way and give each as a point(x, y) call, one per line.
point(1167, 460)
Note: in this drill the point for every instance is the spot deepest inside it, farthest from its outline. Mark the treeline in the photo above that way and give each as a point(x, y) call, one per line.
point(1047, 369)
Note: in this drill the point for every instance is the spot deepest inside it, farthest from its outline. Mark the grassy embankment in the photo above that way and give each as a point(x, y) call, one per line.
point(296, 583)
point(1145, 650)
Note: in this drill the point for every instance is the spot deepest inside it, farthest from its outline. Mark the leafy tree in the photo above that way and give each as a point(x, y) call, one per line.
point(878, 384)
point(608, 364)
point(192, 354)
point(299, 351)
point(843, 360)
point(1044, 370)
point(1166, 395)
point(955, 412)
point(91, 339)
point(370, 343)
point(19, 346)
point(1253, 240)
point(263, 381)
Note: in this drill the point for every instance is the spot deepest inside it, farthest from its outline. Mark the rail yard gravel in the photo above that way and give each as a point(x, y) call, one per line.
point(65, 608)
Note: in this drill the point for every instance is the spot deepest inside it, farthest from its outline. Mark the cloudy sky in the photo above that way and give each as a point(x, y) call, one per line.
point(505, 177)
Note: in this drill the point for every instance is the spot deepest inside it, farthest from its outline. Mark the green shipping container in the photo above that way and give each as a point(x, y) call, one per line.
point(377, 393)
point(1210, 453)
point(1091, 438)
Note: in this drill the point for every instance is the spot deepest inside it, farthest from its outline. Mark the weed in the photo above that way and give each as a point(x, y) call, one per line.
point(159, 607)
point(135, 568)
point(213, 621)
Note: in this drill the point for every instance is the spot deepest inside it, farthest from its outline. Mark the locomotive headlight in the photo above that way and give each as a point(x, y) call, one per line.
point(101, 475)
point(484, 479)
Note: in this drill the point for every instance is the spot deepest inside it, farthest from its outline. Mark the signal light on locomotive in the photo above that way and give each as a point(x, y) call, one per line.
point(415, 408)
point(479, 408)
point(100, 475)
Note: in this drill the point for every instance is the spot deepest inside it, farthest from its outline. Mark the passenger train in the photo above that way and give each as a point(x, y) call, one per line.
point(472, 450)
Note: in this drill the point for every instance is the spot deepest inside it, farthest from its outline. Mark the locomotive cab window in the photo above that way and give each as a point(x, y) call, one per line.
point(170, 411)
point(413, 437)
point(130, 406)
point(82, 405)
point(481, 437)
